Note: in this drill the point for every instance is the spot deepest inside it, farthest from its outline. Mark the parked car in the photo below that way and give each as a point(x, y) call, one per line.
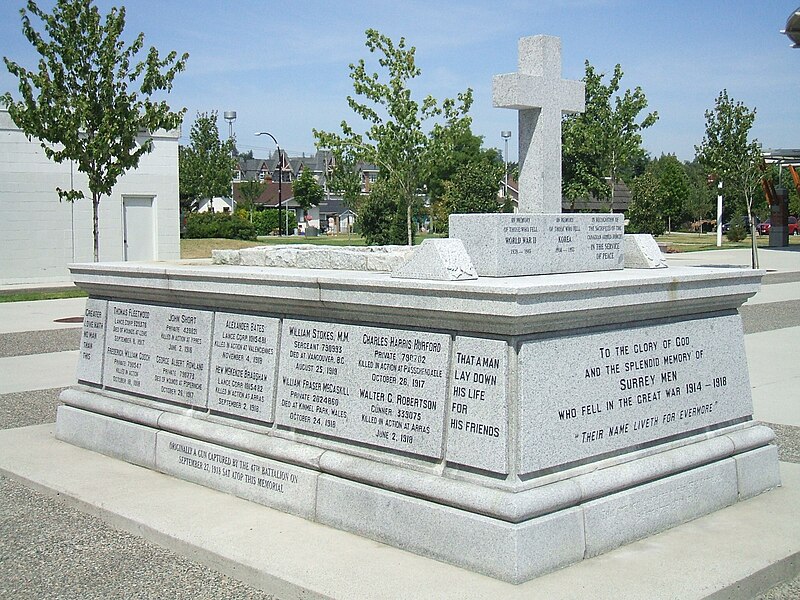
point(794, 226)
point(745, 222)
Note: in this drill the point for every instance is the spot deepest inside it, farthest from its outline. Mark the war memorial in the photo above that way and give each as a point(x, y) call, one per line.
point(538, 389)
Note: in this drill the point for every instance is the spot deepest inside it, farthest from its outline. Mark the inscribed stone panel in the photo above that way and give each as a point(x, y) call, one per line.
point(93, 338)
point(478, 429)
point(504, 245)
point(263, 480)
point(586, 395)
point(242, 367)
point(158, 351)
point(379, 386)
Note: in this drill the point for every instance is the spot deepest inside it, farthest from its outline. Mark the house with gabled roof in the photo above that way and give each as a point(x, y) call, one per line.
point(330, 215)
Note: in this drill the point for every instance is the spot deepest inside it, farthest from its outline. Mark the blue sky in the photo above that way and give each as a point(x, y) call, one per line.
point(283, 66)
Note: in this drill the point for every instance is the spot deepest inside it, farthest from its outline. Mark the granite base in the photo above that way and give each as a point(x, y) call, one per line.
point(578, 517)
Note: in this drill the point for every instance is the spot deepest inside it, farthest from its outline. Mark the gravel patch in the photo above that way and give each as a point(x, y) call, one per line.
point(789, 590)
point(787, 437)
point(81, 557)
point(24, 343)
point(21, 409)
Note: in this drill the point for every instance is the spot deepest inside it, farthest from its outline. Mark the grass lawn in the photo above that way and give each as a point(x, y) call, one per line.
point(692, 242)
point(201, 248)
point(29, 295)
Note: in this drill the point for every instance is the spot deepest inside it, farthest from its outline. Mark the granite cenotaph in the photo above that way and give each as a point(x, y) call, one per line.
point(511, 401)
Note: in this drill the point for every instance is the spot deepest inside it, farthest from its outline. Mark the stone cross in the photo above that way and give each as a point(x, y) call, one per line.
point(541, 96)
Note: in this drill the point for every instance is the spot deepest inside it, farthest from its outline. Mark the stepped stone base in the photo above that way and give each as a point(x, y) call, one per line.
point(509, 426)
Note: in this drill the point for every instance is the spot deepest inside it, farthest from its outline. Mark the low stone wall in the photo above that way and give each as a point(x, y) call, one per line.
point(383, 259)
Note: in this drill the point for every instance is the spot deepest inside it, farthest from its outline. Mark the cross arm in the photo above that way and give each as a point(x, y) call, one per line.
point(520, 91)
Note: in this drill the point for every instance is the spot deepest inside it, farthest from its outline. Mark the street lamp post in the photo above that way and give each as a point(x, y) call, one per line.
point(505, 135)
point(280, 179)
point(230, 117)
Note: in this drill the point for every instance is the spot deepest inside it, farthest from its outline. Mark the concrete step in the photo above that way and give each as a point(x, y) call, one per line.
point(734, 553)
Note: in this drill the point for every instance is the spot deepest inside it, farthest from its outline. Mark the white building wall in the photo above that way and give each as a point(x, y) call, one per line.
point(40, 236)
point(217, 204)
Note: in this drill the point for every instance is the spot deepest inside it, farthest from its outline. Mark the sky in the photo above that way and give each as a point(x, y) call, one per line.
point(283, 66)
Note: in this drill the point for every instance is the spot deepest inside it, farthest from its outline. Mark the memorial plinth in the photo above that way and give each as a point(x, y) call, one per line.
point(513, 244)
point(507, 425)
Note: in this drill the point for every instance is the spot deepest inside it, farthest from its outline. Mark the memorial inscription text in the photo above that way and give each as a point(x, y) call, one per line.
point(158, 351)
point(378, 386)
point(603, 392)
point(242, 371)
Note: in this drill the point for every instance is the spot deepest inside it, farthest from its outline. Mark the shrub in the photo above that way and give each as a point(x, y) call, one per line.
point(738, 229)
point(382, 218)
point(218, 225)
point(266, 221)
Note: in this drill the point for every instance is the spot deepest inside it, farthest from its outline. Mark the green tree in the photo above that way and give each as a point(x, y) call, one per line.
point(726, 153)
point(700, 200)
point(643, 212)
point(307, 192)
point(78, 103)
point(206, 166)
point(598, 143)
point(343, 179)
point(473, 188)
point(266, 221)
point(395, 141)
point(249, 192)
point(462, 173)
point(458, 147)
point(674, 184)
point(787, 180)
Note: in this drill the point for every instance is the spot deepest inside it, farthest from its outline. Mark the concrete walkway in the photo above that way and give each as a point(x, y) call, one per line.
point(734, 553)
point(784, 260)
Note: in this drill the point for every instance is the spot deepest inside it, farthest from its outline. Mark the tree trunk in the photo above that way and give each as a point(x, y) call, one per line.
point(408, 224)
point(611, 203)
point(613, 177)
point(95, 228)
point(753, 245)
